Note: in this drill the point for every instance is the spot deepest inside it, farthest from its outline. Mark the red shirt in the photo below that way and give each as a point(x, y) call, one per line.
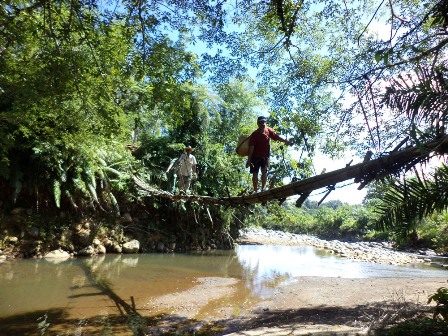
point(260, 141)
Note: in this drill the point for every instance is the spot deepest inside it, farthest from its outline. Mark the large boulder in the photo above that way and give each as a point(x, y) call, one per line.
point(87, 251)
point(131, 247)
point(57, 254)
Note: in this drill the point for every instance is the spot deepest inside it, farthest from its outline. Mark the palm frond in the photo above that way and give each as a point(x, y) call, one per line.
point(407, 202)
point(423, 98)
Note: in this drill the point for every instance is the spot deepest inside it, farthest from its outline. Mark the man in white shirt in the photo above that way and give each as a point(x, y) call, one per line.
point(187, 169)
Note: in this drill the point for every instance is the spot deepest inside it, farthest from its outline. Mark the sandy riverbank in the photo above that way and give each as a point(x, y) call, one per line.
point(310, 305)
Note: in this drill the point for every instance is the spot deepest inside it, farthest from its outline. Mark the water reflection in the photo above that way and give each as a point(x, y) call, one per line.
point(296, 261)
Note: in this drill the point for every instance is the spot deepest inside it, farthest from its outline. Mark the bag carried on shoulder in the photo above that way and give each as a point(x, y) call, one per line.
point(242, 148)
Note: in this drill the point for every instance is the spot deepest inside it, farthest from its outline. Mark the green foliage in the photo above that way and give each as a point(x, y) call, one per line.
point(419, 327)
point(332, 220)
point(405, 204)
point(433, 231)
point(441, 300)
point(89, 97)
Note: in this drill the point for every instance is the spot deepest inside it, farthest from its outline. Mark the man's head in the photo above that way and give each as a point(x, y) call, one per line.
point(261, 122)
point(188, 149)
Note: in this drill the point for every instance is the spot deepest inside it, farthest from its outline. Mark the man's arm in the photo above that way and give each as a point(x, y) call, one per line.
point(274, 136)
point(249, 156)
point(287, 142)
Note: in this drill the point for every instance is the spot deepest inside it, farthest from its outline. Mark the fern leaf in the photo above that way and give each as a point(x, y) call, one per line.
point(57, 193)
point(93, 192)
point(112, 171)
point(114, 203)
point(70, 198)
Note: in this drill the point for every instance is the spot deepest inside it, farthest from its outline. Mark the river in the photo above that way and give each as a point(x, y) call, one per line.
point(75, 291)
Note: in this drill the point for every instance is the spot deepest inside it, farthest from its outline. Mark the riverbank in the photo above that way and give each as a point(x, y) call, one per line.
point(313, 305)
point(377, 252)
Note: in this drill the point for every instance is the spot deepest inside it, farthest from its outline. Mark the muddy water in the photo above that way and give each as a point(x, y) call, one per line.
point(91, 294)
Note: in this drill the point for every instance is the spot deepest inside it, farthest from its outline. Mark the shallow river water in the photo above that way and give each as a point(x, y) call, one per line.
point(77, 289)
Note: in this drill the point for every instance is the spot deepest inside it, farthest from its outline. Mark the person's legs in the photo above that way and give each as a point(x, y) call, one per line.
point(181, 183)
point(264, 177)
point(254, 169)
point(255, 180)
point(187, 181)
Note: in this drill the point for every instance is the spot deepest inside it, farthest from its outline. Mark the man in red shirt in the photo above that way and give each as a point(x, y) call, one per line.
point(259, 148)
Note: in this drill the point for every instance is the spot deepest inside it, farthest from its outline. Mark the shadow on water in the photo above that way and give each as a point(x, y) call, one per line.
point(134, 320)
point(127, 321)
point(57, 322)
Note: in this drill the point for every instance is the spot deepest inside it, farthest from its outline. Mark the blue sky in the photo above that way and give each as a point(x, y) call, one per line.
point(349, 193)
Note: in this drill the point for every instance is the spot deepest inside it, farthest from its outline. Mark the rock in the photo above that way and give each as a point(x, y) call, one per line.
point(131, 247)
point(96, 242)
point(17, 211)
point(66, 235)
point(83, 237)
point(160, 247)
point(67, 246)
point(57, 254)
point(11, 239)
point(87, 251)
point(100, 249)
point(117, 248)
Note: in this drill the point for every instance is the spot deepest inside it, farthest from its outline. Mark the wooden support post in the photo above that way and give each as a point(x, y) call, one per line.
point(368, 156)
point(302, 199)
point(367, 180)
point(400, 144)
point(366, 159)
point(281, 200)
point(330, 189)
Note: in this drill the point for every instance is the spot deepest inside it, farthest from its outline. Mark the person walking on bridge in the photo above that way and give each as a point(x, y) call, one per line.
point(259, 151)
point(187, 169)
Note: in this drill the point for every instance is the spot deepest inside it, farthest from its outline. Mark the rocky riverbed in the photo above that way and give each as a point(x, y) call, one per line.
point(377, 252)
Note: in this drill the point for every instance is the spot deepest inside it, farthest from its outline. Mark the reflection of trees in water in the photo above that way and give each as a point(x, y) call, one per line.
point(258, 281)
point(110, 266)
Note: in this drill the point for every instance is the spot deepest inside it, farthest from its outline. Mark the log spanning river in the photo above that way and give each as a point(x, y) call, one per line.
point(88, 294)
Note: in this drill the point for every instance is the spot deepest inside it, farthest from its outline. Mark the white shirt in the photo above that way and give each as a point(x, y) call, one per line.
point(186, 163)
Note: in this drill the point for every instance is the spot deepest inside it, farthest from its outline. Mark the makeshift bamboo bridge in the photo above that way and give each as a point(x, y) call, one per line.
point(362, 173)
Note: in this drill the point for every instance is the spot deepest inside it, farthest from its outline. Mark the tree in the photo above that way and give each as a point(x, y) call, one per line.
point(72, 91)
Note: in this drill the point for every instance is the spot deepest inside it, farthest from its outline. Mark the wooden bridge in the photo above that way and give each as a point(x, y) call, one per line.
point(362, 173)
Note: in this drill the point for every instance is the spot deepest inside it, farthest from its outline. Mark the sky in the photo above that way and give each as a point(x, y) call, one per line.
point(345, 191)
